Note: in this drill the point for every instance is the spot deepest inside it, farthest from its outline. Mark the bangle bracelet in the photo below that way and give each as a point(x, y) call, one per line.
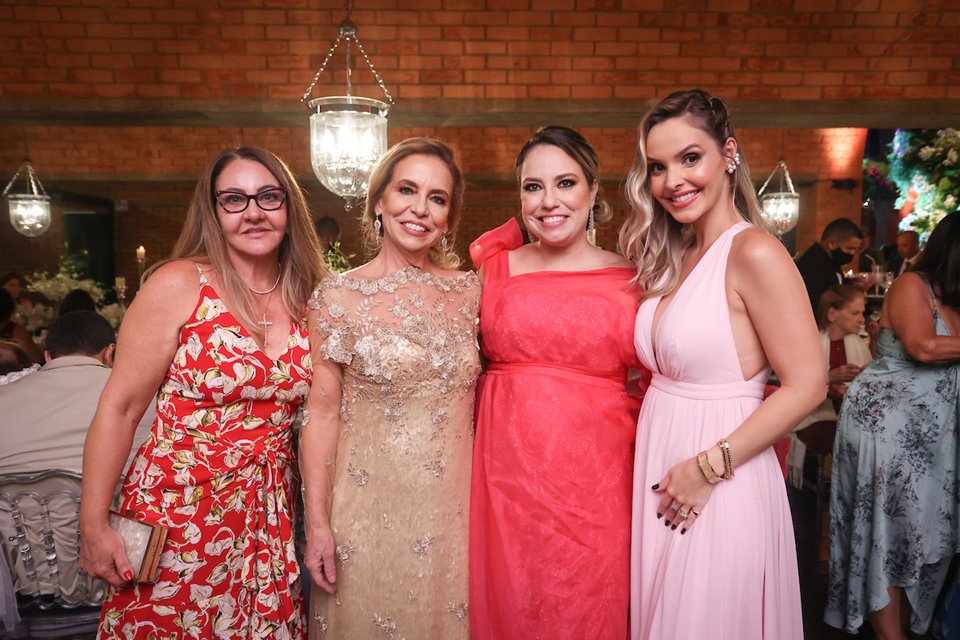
point(707, 468)
point(727, 458)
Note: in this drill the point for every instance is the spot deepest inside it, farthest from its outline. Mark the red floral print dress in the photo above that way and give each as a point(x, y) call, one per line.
point(217, 470)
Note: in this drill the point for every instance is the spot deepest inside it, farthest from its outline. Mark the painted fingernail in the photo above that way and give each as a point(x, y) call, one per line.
point(659, 515)
point(666, 523)
point(128, 575)
point(656, 486)
point(673, 528)
point(682, 531)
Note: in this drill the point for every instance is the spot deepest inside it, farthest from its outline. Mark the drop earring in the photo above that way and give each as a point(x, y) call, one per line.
point(444, 247)
point(591, 229)
point(377, 226)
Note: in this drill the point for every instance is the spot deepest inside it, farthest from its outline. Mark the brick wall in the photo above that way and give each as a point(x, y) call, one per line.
point(523, 49)
point(65, 61)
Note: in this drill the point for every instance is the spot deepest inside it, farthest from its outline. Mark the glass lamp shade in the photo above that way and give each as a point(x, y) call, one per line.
point(347, 137)
point(780, 211)
point(29, 214)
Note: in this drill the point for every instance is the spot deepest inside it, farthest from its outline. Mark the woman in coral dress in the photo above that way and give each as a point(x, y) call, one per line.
point(550, 504)
point(713, 547)
point(385, 453)
point(217, 330)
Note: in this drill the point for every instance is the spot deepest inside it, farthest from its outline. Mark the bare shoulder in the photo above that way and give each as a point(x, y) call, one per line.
point(609, 259)
point(754, 249)
point(175, 282)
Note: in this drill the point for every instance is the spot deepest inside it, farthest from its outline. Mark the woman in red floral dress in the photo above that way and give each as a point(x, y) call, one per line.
point(217, 330)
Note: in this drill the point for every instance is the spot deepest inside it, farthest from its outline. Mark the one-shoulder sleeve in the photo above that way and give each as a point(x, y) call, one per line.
point(504, 238)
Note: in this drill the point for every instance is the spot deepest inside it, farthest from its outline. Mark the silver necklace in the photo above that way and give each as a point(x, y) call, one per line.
point(271, 289)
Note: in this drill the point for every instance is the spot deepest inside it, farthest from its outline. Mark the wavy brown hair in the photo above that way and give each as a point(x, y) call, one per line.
point(576, 146)
point(382, 175)
point(301, 266)
point(650, 237)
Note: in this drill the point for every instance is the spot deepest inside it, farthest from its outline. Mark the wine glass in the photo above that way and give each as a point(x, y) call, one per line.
point(887, 281)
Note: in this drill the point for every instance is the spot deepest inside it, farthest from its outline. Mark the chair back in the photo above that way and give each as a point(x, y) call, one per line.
point(40, 528)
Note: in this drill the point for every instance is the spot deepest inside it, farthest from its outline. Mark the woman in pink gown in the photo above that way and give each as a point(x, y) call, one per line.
point(552, 468)
point(713, 553)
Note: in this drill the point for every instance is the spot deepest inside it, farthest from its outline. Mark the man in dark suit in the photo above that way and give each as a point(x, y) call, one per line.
point(908, 248)
point(820, 264)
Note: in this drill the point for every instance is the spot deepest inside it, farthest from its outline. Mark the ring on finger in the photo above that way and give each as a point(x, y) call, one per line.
point(674, 507)
point(695, 512)
point(684, 514)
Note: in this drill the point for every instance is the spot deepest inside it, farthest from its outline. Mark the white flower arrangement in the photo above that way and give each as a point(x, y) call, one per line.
point(113, 313)
point(55, 287)
point(923, 164)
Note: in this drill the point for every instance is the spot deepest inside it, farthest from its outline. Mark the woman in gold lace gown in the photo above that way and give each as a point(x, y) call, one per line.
point(388, 436)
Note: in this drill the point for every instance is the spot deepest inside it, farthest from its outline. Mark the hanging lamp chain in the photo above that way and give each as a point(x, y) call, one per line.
point(31, 179)
point(781, 166)
point(347, 32)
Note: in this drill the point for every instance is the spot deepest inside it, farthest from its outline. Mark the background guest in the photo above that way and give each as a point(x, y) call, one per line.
point(328, 233)
point(217, 330)
point(907, 250)
point(14, 284)
point(10, 330)
point(893, 503)
point(395, 363)
point(13, 360)
point(550, 503)
point(820, 265)
point(722, 305)
point(840, 320)
point(47, 414)
point(77, 300)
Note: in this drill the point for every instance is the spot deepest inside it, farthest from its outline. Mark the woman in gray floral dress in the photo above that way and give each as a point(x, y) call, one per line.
point(894, 505)
point(387, 445)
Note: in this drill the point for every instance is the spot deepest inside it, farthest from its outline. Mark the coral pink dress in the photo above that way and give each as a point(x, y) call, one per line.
point(553, 456)
point(216, 470)
point(733, 575)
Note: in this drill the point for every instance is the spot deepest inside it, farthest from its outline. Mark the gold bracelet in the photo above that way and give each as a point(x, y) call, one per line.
point(727, 458)
point(707, 468)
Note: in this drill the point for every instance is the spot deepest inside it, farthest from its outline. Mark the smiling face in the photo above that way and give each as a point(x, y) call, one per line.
point(555, 196)
point(687, 169)
point(415, 205)
point(254, 232)
point(849, 317)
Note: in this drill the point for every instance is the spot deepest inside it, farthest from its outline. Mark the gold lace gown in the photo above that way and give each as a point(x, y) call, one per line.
point(400, 509)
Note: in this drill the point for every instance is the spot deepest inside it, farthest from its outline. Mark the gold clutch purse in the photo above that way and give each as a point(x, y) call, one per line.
point(143, 543)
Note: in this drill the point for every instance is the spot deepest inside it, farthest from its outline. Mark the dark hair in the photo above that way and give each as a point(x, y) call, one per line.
point(327, 228)
point(7, 305)
point(7, 277)
point(576, 146)
point(83, 333)
point(836, 297)
point(841, 230)
point(12, 357)
point(77, 300)
point(940, 260)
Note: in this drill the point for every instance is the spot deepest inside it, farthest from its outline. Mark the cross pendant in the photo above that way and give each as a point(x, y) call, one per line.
point(264, 323)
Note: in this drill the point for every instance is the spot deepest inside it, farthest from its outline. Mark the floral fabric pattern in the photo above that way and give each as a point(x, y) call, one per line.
point(894, 502)
point(400, 508)
point(216, 470)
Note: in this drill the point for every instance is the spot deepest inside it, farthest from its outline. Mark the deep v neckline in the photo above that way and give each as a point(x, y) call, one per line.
point(259, 349)
point(656, 321)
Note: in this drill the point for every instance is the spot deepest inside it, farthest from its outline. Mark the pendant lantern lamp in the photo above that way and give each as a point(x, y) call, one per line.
point(779, 210)
point(29, 209)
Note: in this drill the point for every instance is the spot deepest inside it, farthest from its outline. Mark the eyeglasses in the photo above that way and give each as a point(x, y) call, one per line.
point(235, 202)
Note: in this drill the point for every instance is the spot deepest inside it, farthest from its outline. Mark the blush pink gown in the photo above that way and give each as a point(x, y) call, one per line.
point(732, 576)
point(553, 456)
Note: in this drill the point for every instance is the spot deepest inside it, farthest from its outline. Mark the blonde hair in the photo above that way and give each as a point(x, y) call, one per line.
point(382, 175)
point(650, 237)
point(301, 266)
